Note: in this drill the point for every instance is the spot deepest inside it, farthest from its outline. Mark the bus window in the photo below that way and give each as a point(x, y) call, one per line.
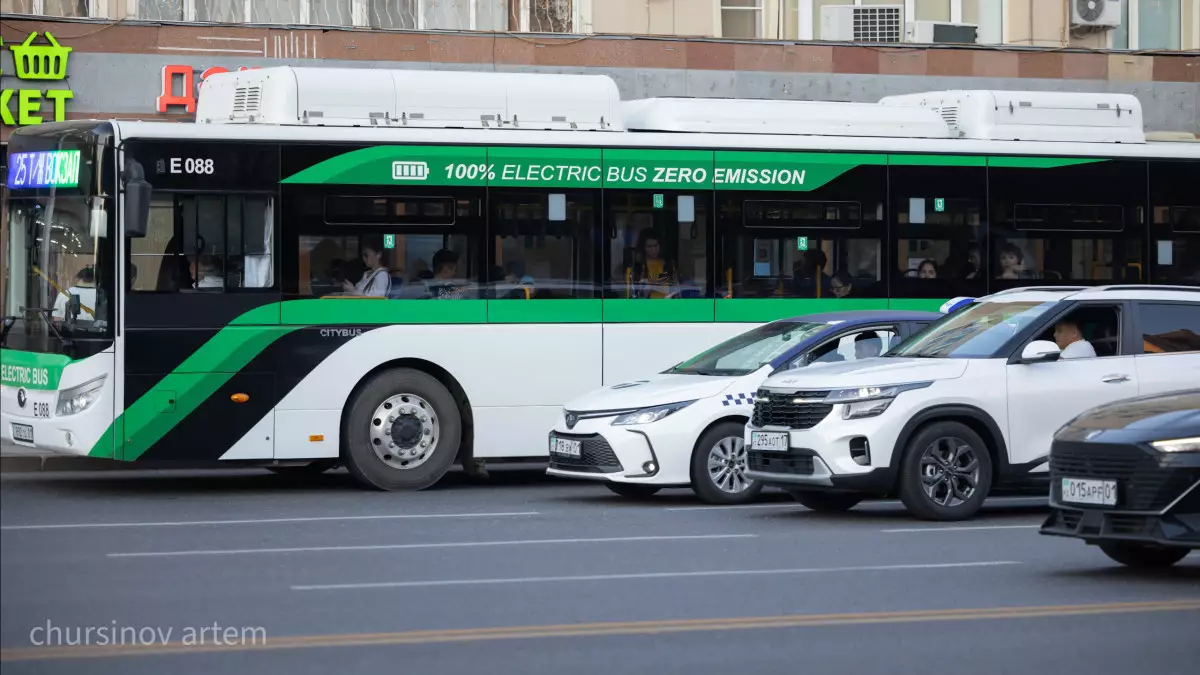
point(1068, 224)
point(938, 231)
point(822, 243)
point(657, 244)
point(1175, 222)
point(204, 243)
point(542, 244)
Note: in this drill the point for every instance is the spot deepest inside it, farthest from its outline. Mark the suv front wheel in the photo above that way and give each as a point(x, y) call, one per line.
point(946, 472)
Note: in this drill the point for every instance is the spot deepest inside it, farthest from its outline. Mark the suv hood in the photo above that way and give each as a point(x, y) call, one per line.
point(870, 373)
point(651, 391)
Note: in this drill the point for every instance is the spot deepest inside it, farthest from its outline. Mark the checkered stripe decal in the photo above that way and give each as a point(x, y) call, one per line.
point(738, 399)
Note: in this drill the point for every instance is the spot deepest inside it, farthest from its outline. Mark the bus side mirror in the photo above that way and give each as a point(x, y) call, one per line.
point(137, 207)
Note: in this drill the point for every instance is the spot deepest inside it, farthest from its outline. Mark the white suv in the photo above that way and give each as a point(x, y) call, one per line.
point(972, 401)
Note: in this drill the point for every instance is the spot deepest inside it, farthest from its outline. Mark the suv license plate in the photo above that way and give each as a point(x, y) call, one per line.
point(1085, 491)
point(22, 432)
point(566, 447)
point(769, 440)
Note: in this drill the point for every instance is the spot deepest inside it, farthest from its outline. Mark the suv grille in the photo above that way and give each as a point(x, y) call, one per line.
point(791, 462)
point(1141, 484)
point(595, 456)
point(778, 410)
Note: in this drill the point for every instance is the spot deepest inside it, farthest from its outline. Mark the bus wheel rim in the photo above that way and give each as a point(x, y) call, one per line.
point(404, 431)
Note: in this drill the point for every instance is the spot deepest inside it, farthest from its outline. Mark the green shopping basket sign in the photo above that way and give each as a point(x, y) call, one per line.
point(40, 62)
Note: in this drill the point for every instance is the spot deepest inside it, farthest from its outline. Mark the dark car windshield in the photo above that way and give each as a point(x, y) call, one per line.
point(976, 332)
point(751, 350)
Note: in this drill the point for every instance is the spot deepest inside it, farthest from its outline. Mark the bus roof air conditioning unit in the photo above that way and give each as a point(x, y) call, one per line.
point(1096, 13)
point(932, 32)
point(868, 23)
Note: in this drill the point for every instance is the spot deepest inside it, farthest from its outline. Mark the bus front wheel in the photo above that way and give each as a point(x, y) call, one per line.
point(402, 432)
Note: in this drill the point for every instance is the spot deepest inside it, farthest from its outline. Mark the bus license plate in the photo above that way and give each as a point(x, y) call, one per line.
point(22, 432)
point(1083, 491)
point(566, 447)
point(769, 440)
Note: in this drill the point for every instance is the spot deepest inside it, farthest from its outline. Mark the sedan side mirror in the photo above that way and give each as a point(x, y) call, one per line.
point(1040, 351)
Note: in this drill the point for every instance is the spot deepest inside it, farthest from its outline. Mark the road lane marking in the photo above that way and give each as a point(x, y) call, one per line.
point(967, 528)
point(641, 575)
point(426, 637)
point(452, 544)
point(264, 521)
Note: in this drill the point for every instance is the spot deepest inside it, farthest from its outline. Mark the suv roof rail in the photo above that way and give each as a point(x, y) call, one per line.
point(1150, 287)
point(1023, 289)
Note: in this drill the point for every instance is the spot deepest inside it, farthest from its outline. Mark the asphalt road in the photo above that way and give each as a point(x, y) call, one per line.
point(525, 574)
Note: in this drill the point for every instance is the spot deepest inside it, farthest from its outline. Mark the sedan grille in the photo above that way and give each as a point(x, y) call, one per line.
point(595, 456)
point(775, 409)
point(1142, 485)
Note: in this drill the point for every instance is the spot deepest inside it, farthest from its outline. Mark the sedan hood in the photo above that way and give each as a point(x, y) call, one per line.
point(869, 373)
point(651, 391)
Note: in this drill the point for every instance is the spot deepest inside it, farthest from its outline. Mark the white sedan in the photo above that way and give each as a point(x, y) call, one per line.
point(684, 427)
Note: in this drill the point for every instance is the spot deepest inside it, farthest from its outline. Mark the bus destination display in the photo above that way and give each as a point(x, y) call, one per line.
point(44, 169)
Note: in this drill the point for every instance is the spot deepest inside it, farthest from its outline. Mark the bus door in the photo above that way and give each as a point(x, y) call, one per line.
point(201, 304)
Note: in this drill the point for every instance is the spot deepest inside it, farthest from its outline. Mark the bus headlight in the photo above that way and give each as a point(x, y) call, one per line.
point(79, 398)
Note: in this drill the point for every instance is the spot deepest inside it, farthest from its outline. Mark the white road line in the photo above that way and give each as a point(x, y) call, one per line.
point(456, 544)
point(258, 521)
point(648, 575)
point(962, 529)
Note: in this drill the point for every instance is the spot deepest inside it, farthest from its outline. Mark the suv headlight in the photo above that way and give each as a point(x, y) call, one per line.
point(648, 415)
point(1178, 445)
point(869, 401)
point(79, 398)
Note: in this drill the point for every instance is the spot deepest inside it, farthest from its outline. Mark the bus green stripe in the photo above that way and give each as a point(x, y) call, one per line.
point(379, 311)
point(545, 311)
point(1017, 162)
point(149, 418)
point(758, 310)
point(676, 310)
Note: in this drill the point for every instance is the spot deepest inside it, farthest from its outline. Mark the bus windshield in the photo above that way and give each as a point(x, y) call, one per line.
point(975, 332)
point(54, 288)
point(749, 351)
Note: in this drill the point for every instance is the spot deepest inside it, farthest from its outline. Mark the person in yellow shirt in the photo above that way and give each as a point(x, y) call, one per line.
point(654, 274)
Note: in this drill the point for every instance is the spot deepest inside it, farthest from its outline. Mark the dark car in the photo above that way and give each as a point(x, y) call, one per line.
point(1126, 477)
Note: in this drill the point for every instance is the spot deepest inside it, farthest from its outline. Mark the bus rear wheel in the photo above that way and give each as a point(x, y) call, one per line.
point(402, 431)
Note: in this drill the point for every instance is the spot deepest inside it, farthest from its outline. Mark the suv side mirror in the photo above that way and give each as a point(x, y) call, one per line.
point(1040, 351)
point(801, 361)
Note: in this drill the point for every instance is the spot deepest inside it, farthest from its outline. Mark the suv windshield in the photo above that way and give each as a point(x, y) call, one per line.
point(975, 332)
point(749, 351)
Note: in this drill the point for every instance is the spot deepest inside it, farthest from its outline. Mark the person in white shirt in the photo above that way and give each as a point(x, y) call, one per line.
point(85, 288)
point(377, 280)
point(207, 273)
point(1069, 338)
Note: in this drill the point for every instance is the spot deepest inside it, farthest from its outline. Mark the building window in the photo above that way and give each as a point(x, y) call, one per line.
point(73, 8)
point(437, 14)
point(1151, 24)
point(220, 11)
point(160, 10)
point(331, 12)
point(742, 19)
point(551, 16)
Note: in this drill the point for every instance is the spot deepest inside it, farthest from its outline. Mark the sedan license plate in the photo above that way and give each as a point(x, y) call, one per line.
point(565, 447)
point(22, 432)
point(1085, 491)
point(769, 440)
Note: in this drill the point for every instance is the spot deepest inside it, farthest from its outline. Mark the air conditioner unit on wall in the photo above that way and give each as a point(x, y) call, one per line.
point(868, 23)
point(1102, 13)
point(930, 32)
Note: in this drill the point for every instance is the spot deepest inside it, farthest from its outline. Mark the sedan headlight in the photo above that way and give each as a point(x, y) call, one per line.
point(80, 398)
point(863, 402)
point(1178, 445)
point(648, 415)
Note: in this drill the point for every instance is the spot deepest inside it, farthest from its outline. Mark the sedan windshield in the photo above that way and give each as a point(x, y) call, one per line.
point(976, 332)
point(750, 351)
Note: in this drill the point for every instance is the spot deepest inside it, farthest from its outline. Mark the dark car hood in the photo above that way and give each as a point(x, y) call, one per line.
point(1151, 418)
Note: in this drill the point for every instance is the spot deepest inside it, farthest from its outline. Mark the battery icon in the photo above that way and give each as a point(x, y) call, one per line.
point(410, 170)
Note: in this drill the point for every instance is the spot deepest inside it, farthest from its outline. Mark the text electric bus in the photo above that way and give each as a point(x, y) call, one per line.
point(398, 271)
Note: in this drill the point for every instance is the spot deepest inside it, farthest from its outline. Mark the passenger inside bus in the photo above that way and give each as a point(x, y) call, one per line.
point(653, 275)
point(377, 279)
point(445, 285)
point(927, 269)
point(207, 272)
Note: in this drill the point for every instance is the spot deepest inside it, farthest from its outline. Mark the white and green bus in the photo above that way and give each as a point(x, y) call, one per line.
point(398, 271)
